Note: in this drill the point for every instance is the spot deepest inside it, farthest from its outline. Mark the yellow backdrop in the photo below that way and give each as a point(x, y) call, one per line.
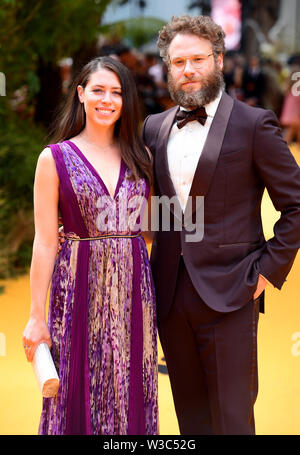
point(277, 409)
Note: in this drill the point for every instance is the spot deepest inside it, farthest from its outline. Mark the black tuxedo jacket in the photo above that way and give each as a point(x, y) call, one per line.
point(244, 153)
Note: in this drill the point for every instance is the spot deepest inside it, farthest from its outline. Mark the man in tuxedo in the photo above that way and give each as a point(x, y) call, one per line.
point(210, 287)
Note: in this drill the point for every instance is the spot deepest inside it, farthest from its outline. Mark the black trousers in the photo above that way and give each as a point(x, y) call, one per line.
point(212, 363)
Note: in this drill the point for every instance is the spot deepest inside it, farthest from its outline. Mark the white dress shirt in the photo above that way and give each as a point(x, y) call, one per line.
point(184, 150)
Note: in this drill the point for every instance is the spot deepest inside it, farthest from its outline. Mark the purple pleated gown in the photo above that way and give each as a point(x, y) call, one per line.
point(102, 315)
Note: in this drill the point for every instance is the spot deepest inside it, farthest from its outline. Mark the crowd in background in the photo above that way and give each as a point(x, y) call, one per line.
point(258, 82)
point(269, 84)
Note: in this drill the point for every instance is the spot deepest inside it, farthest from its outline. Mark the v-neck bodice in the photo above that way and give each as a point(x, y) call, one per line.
point(96, 173)
point(87, 208)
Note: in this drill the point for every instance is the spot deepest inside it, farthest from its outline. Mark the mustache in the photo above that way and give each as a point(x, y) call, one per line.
point(190, 79)
point(211, 84)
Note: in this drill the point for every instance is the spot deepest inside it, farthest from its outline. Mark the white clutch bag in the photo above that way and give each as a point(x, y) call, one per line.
point(45, 371)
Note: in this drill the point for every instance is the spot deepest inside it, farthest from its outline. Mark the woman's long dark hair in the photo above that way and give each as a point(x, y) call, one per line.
point(71, 118)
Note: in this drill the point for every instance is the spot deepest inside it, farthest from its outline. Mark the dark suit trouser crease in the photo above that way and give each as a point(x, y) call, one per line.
point(212, 363)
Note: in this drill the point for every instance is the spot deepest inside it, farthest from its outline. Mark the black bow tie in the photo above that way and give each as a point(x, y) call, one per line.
point(183, 117)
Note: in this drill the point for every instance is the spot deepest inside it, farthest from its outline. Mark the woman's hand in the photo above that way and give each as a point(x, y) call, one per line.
point(36, 332)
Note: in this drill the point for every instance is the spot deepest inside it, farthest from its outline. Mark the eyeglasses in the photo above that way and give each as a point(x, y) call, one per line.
point(197, 61)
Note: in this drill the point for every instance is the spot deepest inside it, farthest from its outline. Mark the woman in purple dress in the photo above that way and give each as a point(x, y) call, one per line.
point(101, 321)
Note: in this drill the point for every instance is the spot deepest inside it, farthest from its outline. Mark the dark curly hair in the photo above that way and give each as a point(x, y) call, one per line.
point(202, 26)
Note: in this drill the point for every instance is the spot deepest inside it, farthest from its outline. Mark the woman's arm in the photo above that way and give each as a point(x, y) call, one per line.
point(46, 190)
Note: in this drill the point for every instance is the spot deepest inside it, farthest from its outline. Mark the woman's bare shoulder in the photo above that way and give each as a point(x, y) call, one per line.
point(46, 162)
point(46, 156)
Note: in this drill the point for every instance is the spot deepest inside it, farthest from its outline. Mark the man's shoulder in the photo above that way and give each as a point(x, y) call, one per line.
point(157, 119)
point(251, 118)
point(250, 112)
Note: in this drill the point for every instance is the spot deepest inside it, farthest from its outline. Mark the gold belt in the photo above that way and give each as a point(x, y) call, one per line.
point(100, 237)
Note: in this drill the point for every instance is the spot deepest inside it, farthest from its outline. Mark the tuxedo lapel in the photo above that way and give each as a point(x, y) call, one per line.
point(161, 159)
point(161, 164)
point(209, 157)
point(212, 147)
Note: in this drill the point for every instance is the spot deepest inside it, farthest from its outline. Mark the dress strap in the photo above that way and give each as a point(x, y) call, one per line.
point(78, 414)
point(68, 203)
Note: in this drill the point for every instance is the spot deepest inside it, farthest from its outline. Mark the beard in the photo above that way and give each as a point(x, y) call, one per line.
point(211, 84)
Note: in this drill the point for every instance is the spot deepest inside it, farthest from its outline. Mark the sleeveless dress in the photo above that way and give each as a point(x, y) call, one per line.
point(102, 314)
